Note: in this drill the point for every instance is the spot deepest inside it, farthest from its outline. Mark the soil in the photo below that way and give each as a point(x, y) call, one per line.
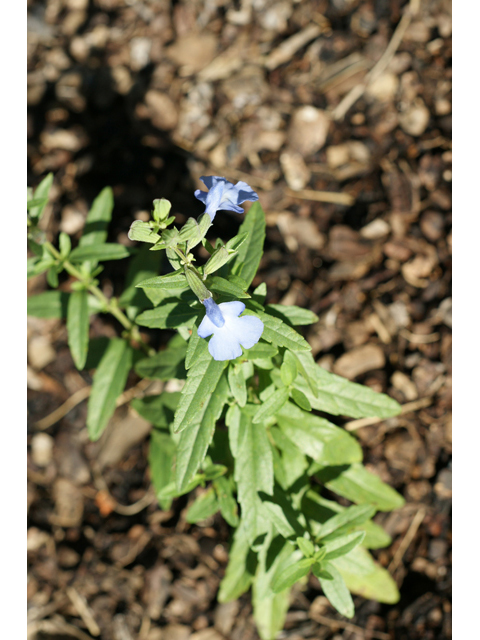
point(147, 96)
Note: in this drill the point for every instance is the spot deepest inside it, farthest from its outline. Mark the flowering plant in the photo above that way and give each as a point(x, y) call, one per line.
point(242, 435)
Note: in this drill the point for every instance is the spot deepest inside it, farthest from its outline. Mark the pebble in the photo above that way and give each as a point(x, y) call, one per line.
point(42, 449)
point(360, 360)
point(308, 130)
point(415, 119)
point(40, 352)
point(296, 172)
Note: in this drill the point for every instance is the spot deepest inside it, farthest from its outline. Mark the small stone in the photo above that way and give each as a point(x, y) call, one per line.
point(42, 449)
point(295, 170)
point(308, 130)
point(414, 120)
point(404, 384)
point(139, 53)
point(432, 225)
point(40, 352)
point(67, 557)
point(375, 229)
point(384, 87)
point(360, 360)
point(163, 110)
point(193, 51)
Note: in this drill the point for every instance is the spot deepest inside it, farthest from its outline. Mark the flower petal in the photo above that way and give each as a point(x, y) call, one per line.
point(206, 328)
point(231, 309)
point(251, 329)
point(223, 346)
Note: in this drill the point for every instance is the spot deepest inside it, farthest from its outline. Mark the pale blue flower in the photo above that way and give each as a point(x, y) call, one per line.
point(222, 194)
point(229, 330)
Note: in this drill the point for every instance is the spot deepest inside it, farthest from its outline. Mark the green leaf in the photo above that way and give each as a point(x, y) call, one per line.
point(108, 383)
point(197, 348)
point(269, 608)
point(65, 244)
point(238, 386)
point(203, 507)
point(280, 512)
point(292, 574)
point(306, 547)
point(280, 334)
point(253, 473)
point(365, 577)
point(98, 218)
point(160, 459)
point(250, 252)
point(288, 370)
point(292, 315)
point(228, 505)
point(261, 351)
point(99, 252)
point(240, 571)
point(159, 410)
point(300, 399)
point(317, 437)
point(41, 196)
point(36, 202)
point(360, 486)
point(226, 287)
point(343, 545)
point(320, 510)
point(78, 326)
point(260, 293)
point(202, 379)
point(175, 280)
point(166, 364)
point(142, 232)
point(293, 462)
point(272, 405)
point(339, 396)
point(49, 304)
point(196, 437)
point(345, 520)
point(336, 591)
point(171, 314)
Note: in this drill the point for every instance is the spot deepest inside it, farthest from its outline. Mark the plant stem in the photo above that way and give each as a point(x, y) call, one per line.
point(111, 305)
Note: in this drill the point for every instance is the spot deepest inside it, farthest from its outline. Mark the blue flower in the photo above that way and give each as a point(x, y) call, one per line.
point(222, 194)
point(229, 330)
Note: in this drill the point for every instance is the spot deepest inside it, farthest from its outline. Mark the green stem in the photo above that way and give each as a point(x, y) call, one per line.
point(111, 305)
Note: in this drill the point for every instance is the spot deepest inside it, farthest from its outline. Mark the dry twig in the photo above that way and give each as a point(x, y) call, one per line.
point(83, 610)
point(348, 626)
point(322, 196)
point(409, 536)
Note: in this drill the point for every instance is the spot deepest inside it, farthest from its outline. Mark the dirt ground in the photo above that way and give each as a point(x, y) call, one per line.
point(339, 114)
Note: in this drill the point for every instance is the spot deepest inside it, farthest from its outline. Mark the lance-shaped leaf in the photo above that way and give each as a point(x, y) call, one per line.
point(235, 287)
point(197, 436)
point(339, 396)
point(270, 608)
point(202, 379)
point(317, 437)
point(228, 505)
point(144, 265)
point(197, 348)
point(361, 486)
point(280, 334)
point(98, 218)
point(99, 252)
point(108, 383)
point(250, 252)
point(292, 315)
point(240, 571)
point(77, 327)
point(175, 280)
point(342, 545)
point(292, 574)
point(253, 473)
point(160, 459)
point(49, 304)
point(159, 410)
point(272, 405)
point(171, 314)
point(336, 590)
point(366, 578)
point(345, 520)
point(40, 197)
